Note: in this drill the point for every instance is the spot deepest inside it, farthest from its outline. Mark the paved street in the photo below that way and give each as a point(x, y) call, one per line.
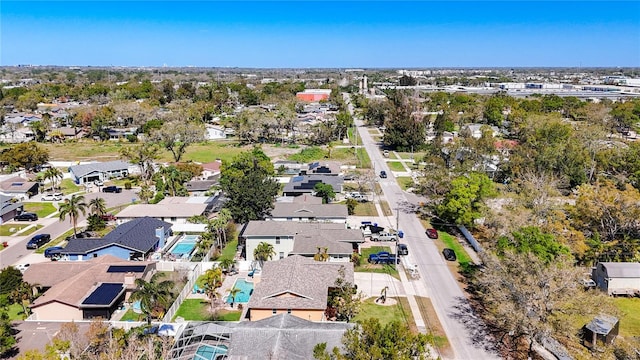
point(463, 328)
point(17, 252)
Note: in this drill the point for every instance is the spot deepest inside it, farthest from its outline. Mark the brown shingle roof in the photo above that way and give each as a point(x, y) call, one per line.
point(70, 281)
point(297, 282)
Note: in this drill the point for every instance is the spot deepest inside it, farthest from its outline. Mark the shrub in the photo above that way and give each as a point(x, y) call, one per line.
point(127, 185)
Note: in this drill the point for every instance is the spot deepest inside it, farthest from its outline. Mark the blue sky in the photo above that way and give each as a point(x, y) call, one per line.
point(321, 34)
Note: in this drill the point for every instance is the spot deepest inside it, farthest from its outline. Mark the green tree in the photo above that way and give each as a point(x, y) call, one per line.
point(403, 130)
point(23, 295)
point(143, 156)
point(25, 155)
point(53, 174)
point(325, 191)
point(72, 208)
point(464, 202)
point(344, 300)
point(7, 337)
point(154, 295)
point(170, 181)
point(263, 252)
point(249, 185)
point(531, 239)
point(145, 193)
point(98, 206)
point(351, 206)
point(372, 340)
point(233, 293)
point(10, 279)
point(212, 281)
point(177, 136)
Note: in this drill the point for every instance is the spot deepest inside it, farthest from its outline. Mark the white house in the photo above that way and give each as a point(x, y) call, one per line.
point(302, 238)
point(215, 132)
point(174, 210)
point(618, 278)
point(308, 208)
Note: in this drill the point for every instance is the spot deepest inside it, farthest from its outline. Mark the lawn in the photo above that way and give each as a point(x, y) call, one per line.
point(386, 313)
point(374, 268)
point(194, 309)
point(43, 209)
point(407, 155)
point(229, 251)
point(386, 209)
point(405, 182)
point(630, 322)
point(365, 209)
point(131, 315)
point(110, 150)
point(67, 186)
point(453, 243)
point(15, 312)
point(309, 154)
point(396, 166)
point(10, 229)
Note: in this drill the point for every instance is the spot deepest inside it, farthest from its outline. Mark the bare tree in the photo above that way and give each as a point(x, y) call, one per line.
point(177, 136)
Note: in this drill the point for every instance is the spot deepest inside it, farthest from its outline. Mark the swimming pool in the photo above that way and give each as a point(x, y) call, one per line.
point(184, 247)
point(246, 289)
point(209, 352)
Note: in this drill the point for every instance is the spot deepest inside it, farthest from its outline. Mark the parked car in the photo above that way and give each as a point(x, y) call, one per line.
point(383, 174)
point(52, 197)
point(384, 236)
point(449, 254)
point(385, 153)
point(108, 217)
point(26, 216)
point(402, 249)
point(52, 251)
point(432, 233)
point(22, 267)
point(360, 198)
point(383, 258)
point(38, 241)
point(112, 189)
point(98, 183)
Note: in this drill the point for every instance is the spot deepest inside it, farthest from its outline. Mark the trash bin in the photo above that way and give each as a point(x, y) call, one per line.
point(400, 234)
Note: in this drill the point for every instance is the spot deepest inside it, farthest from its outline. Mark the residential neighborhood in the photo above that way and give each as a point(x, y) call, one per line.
point(216, 220)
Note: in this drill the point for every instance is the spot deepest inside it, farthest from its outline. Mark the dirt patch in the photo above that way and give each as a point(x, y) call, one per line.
point(388, 302)
point(279, 152)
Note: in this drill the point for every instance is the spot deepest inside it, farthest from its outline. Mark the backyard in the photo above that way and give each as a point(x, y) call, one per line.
point(200, 310)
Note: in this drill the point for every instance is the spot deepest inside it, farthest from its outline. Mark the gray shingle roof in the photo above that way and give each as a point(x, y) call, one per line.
point(307, 244)
point(282, 336)
point(622, 269)
point(138, 235)
point(319, 211)
point(296, 282)
point(84, 169)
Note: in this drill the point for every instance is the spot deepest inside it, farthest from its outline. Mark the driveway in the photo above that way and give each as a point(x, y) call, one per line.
point(371, 284)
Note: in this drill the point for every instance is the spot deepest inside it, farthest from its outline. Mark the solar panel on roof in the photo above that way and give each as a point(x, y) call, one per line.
point(104, 294)
point(126, 268)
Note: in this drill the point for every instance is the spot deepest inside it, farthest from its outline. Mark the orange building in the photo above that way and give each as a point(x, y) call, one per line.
point(314, 95)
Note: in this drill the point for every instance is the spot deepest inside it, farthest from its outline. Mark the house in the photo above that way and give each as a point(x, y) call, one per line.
point(135, 239)
point(282, 336)
point(210, 169)
point(475, 130)
point(19, 188)
point(302, 238)
point(316, 168)
point(296, 285)
point(9, 208)
point(87, 173)
point(314, 95)
point(70, 132)
point(300, 185)
point(309, 211)
point(288, 167)
point(76, 290)
point(601, 331)
point(200, 187)
point(174, 210)
point(215, 132)
point(617, 278)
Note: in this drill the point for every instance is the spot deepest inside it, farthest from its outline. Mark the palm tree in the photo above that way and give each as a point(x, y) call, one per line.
point(227, 264)
point(146, 193)
point(205, 243)
point(322, 254)
point(98, 206)
point(53, 174)
point(232, 295)
point(212, 279)
point(263, 252)
point(23, 295)
point(153, 295)
point(73, 207)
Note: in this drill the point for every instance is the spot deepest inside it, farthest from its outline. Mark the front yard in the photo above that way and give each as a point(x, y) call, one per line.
point(11, 229)
point(42, 209)
point(386, 313)
point(365, 266)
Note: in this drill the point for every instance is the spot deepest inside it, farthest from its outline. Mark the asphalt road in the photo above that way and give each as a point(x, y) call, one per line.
point(17, 251)
point(464, 330)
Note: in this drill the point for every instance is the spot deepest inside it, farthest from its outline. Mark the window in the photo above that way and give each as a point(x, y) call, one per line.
point(277, 240)
point(281, 255)
point(274, 311)
point(174, 219)
point(289, 219)
point(288, 311)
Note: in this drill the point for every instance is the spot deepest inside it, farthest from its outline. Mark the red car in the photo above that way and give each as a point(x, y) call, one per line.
point(432, 233)
point(108, 217)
